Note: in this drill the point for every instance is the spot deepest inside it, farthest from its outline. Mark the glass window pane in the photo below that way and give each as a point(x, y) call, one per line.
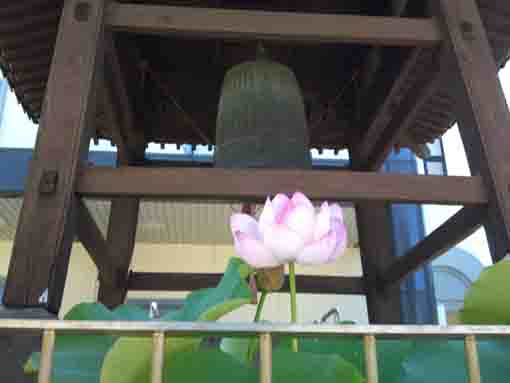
point(435, 148)
point(434, 168)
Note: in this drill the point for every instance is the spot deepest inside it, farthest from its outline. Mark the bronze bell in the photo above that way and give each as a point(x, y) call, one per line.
point(261, 119)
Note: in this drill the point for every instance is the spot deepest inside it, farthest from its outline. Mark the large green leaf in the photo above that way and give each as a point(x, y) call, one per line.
point(78, 358)
point(487, 300)
point(231, 293)
point(211, 366)
point(390, 353)
point(305, 367)
point(238, 348)
point(129, 360)
point(206, 366)
point(442, 361)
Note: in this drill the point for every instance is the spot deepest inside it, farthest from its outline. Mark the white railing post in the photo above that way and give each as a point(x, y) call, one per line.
point(266, 358)
point(158, 356)
point(370, 358)
point(48, 344)
point(473, 364)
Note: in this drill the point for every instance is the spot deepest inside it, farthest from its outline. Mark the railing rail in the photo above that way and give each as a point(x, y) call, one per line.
point(159, 330)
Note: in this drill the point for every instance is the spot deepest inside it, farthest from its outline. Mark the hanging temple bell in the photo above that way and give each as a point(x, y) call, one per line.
point(261, 120)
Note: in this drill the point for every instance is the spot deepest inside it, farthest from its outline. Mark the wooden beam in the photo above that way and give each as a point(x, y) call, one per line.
point(121, 242)
point(480, 97)
point(130, 143)
point(400, 108)
point(141, 281)
point(256, 184)
point(457, 228)
point(92, 239)
point(261, 25)
point(377, 252)
point(498, 243)
point(124, 212)
point(118, 107)
point(47, 221)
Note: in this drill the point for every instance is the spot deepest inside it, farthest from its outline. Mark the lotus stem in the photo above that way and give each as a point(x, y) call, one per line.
point(293, 304)
point(258, 314)
point(253, 344)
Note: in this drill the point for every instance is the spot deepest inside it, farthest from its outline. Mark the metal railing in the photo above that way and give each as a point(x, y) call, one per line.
point(160, 330)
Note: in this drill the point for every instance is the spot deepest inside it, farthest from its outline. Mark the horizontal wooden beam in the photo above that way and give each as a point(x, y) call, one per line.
point(261, 25)
point(92, 239)
point(257, 184)
point(457, 228)
point(192, 281)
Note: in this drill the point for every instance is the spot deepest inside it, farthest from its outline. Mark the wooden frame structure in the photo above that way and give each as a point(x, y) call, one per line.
point(85, 63)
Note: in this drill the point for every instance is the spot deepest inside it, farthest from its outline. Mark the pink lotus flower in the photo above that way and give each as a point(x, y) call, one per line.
point(289, 230)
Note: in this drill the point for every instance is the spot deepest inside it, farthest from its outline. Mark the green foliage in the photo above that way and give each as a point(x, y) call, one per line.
point(231, 293)
point(78, 358)
point(206, 366)
point(129, 360)
point(84, 358)
point(487, 301)
point(390, 353)
point(305, 367)
point(237, 348)
point(203, 366)
point(441, 361)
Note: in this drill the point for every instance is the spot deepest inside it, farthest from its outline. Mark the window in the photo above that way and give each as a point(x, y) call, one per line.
point(435, 164)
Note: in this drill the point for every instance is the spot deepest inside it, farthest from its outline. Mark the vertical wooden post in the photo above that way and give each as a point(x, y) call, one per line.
point(485, 118)
point(130, 147)
point(46, 226)
point(377, 253)
point(121, 242)
point(375, 234)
